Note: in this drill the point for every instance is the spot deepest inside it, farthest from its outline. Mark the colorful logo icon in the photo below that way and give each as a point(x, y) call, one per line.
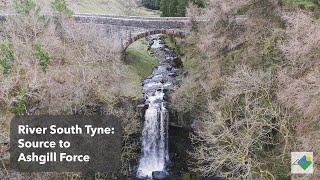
point(301, 162)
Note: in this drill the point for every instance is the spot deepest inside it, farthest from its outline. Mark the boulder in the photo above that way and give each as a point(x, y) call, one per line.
point(160, 175)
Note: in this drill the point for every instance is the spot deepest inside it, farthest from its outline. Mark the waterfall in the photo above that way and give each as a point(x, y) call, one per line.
point(155, 151)
point(154, 137)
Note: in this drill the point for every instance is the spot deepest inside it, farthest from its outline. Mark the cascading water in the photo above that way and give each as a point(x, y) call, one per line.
point(154, 137)
point(155, 155)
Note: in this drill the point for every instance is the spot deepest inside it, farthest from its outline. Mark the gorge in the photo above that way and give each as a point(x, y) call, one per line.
point(155, 152)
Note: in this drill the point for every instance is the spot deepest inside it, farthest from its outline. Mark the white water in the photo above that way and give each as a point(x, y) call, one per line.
point(154, 137)
point(157, 44)
point(155, 156)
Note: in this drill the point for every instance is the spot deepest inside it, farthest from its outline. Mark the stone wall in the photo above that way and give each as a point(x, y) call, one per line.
point(141, 22)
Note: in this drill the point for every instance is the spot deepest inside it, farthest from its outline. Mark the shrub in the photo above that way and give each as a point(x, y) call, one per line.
point(301, 50)
point(86, 74)
point(301, 44)
point(240, 128)
point(24, 6)
point(6, 57)
point(20, 106)
point(60, 6)
point(298, 80)
point(42, 55)
point(151, 4)
point(235, 132)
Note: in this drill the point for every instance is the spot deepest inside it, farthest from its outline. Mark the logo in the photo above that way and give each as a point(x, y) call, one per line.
point(301, 162)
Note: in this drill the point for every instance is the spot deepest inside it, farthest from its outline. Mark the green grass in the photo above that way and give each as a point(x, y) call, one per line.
point(171, 42)
point(305, 4)
point(109, 7)
point(112, 7)
point(139, 59)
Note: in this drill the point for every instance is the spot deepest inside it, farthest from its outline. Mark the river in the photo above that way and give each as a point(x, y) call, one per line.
point(154, 160)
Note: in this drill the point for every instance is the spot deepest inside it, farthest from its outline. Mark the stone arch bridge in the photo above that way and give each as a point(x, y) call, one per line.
point(131, 28)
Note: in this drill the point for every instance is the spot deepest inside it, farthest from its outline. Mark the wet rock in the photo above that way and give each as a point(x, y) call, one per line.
point(154, 87)
point(141, 106)
point(156, 90)
point(138, 178)
point(160, 175)
point(151, 43)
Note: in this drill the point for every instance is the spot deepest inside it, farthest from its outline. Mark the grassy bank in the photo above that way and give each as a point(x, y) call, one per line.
point(139, 59)
point(115, 7)
point(305, 4)
point(172, 43)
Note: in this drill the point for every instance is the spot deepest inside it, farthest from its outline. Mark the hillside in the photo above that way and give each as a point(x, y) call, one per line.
point(69, 69)
point(114, 7)
point(252, 89)
point(232, 99)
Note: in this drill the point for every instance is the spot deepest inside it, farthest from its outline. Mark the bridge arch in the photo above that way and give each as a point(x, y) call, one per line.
point(173, 32)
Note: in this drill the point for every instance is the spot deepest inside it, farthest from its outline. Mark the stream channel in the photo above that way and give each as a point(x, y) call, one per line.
point(154, 159)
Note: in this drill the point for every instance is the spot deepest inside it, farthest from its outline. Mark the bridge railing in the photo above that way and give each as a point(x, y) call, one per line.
point(130, 17)
point(95, 15)
point(129, 21)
